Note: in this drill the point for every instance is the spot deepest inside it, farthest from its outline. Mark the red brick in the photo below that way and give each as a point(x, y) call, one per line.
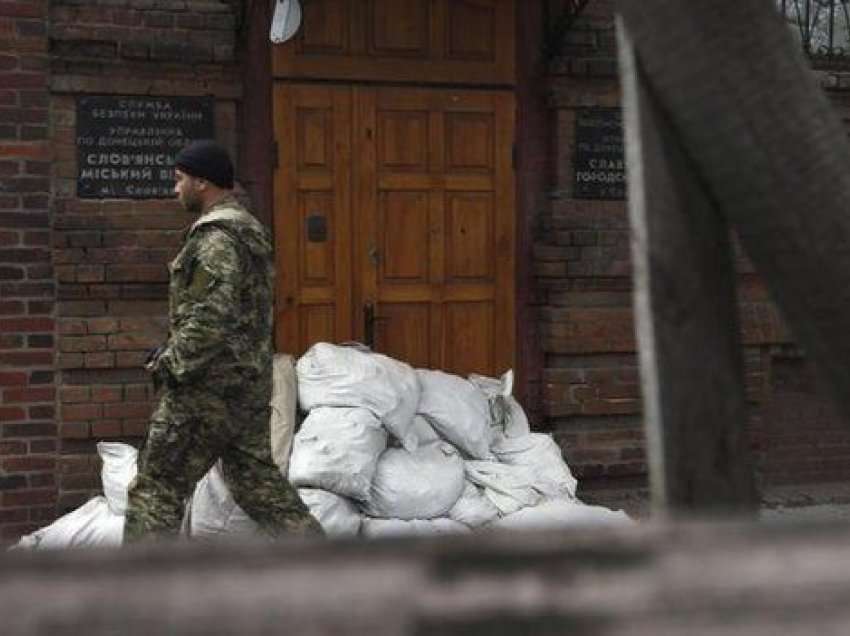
point(89, 273)
point(82, 344)
point(28, 497)
point(74, 394)
point(137, 273)
point(42, 412)
point(11, 413)
point(27, 150)
point(31, 463)
point(35, 307)
point(33, 394)
point(26, 325)
point(102, 325)
point(22, 9)
point(106, 394)
point(70, 361)
point(134, 341)
point(75, 430)
point(130, 359)
point(106, 428)
point(27, 358)
point(29, 429)
point(127, 410)
point(99, 360)
point(80, 482)
point(11, 308)
point(76, 465)
point(13, 448)
point(43, 480)
point(81, 412)
point(43, 446)
point(9, 238)
point(72, 327)
point(37, 238)
point(135, 428)
point(12, 378)
point(137, 392)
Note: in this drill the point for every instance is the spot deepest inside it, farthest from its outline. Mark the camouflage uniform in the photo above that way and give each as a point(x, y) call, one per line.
point(217, 372)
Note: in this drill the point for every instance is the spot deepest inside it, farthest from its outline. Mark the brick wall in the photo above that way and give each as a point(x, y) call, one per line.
point(591, 393)
point(84, 282)
point(110, 256)
point(28, 446)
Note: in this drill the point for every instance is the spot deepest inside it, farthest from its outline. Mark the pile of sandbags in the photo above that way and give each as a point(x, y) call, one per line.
point(456, 454)
point(383, 450)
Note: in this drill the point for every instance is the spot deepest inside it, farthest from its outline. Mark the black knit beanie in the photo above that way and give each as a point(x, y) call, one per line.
point(208, 160)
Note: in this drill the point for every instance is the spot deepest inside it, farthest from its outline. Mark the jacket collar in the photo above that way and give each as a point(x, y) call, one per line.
point(226, 209)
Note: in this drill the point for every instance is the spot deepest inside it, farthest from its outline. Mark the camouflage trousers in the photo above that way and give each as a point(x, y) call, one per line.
point(190, 429)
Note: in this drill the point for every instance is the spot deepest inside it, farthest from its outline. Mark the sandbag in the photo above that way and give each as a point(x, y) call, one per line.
point(509, 488)
point(419, 485)
point(424, 430)
point(562, 513)
point(509, 420)
point(387, 528)
point(91, 525)
point(119, 469)
point(473, 508)
point(337, 449)
point(331, 375)
point(542, 456)
point(457, 410)
point(213, 513)
point(338, 516)
point(283, 403)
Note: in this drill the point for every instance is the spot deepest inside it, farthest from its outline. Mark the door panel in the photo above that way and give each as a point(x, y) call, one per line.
point(313, 215)
point(397, 204)
point(434, 203)
point(467, 42)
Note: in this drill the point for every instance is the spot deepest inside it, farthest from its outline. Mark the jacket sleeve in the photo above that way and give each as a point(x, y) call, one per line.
point(206, 310)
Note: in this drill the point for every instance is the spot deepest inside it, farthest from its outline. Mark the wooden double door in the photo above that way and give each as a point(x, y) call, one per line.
point(394, 222)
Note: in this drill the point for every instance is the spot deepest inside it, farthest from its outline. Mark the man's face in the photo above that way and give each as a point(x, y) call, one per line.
point(188, 191)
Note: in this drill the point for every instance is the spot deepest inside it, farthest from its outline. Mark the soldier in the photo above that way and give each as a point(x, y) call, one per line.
point(216, 366)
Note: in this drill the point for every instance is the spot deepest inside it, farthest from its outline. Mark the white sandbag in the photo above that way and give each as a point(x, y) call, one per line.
point(424, 430)
point(214, 513)
point(387, 528)
point(338, 516)
point(562, 513)
point(337, 449)
point(473, 508)
point(509, 488)
point(91, 525)
point(331, 375)
point(506, 413)
point(419, 485)
point(542, 456)
point(119, 469)
point(457, 410)
point(283, 403)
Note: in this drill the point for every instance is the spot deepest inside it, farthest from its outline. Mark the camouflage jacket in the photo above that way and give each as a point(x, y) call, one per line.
point(220, 302)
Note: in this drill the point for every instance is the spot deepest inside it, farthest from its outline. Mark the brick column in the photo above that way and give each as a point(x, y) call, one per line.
point(27, 426)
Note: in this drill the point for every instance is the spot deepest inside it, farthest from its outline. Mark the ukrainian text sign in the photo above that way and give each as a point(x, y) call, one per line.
point(600, 171)
point(126, 145)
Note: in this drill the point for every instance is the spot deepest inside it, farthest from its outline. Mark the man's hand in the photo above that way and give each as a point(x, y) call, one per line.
point(153, 356)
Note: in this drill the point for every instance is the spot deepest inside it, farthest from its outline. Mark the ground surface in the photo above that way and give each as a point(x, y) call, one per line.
point(807, 502)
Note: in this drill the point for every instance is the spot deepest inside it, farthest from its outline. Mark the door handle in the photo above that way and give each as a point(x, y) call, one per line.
point(369, 320)
point(373, 255)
